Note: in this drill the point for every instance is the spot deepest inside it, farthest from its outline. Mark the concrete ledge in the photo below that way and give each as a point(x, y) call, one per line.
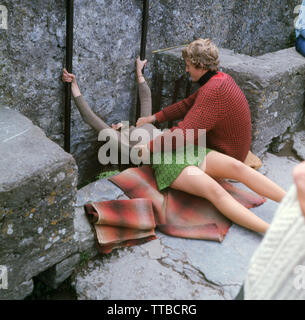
point(273, 83)
point(37, 193)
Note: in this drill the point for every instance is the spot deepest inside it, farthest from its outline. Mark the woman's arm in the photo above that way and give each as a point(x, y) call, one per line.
point(87, 114)
point(173, 112)
point(144, 95)
point(204, 114)
point(299, 179)
point(70, 77)
point(177, 110)
point(144, 90)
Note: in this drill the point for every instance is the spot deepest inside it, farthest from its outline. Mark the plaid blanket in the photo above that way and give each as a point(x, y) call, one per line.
point(120, 223)
point(128, 222)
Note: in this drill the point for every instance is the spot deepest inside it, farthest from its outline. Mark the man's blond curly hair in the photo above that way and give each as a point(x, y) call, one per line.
point(202, 53)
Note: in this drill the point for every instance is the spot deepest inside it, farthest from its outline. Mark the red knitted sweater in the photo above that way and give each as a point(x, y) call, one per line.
point(219, 107)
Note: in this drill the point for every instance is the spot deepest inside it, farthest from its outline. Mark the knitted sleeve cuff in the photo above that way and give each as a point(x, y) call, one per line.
point(160, 116)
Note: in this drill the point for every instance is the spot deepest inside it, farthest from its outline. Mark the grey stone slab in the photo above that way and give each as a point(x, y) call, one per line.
point(100, 190)
point(138, 273)
point(191, 269)
point(37, 193)
point(26, 150)
point(274, 86)
point(57, 274)
point(19, 292)
point(299, 144)
point(84, 233)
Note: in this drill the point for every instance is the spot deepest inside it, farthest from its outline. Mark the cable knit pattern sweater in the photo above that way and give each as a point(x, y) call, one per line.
point(219, 107)
point(277, 268)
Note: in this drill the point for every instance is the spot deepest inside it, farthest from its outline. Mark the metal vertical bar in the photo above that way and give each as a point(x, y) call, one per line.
point(69, 53)
point(143, 44)
point(175, 96)
point(188, 87)
point(144, 29)
point(158, 86)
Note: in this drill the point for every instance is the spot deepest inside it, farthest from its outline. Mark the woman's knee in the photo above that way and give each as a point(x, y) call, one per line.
point(238, 167)
point(234, 168)
point(215, 192)
point(224, 166)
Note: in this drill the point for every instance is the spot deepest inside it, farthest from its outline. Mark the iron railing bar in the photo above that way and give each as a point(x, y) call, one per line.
point(69, 56)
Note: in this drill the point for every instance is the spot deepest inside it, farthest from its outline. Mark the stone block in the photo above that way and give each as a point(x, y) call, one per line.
point(299, 144)
point(22, 290)
point(37, 193)
point(57, 274)
point(272, 83)
point(101, 190)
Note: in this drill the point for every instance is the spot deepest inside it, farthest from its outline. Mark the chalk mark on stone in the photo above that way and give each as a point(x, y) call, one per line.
point(16, 135)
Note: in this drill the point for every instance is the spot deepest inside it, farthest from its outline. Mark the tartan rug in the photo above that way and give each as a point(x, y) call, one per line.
point(120, 223)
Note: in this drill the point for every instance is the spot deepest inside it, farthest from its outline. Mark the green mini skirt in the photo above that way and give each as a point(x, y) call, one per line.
point(168, 165)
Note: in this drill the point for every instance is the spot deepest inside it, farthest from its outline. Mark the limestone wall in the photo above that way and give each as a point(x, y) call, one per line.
point(106, 43)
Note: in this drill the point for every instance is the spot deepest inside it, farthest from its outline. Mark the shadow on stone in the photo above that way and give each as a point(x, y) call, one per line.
point(44, 292)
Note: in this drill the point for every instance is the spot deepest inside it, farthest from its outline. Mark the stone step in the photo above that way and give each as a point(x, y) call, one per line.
point(273, 84)
point(37, 193)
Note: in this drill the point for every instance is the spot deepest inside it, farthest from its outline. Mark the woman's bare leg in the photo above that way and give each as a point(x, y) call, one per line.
point(219, 165)
point(200, 184)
